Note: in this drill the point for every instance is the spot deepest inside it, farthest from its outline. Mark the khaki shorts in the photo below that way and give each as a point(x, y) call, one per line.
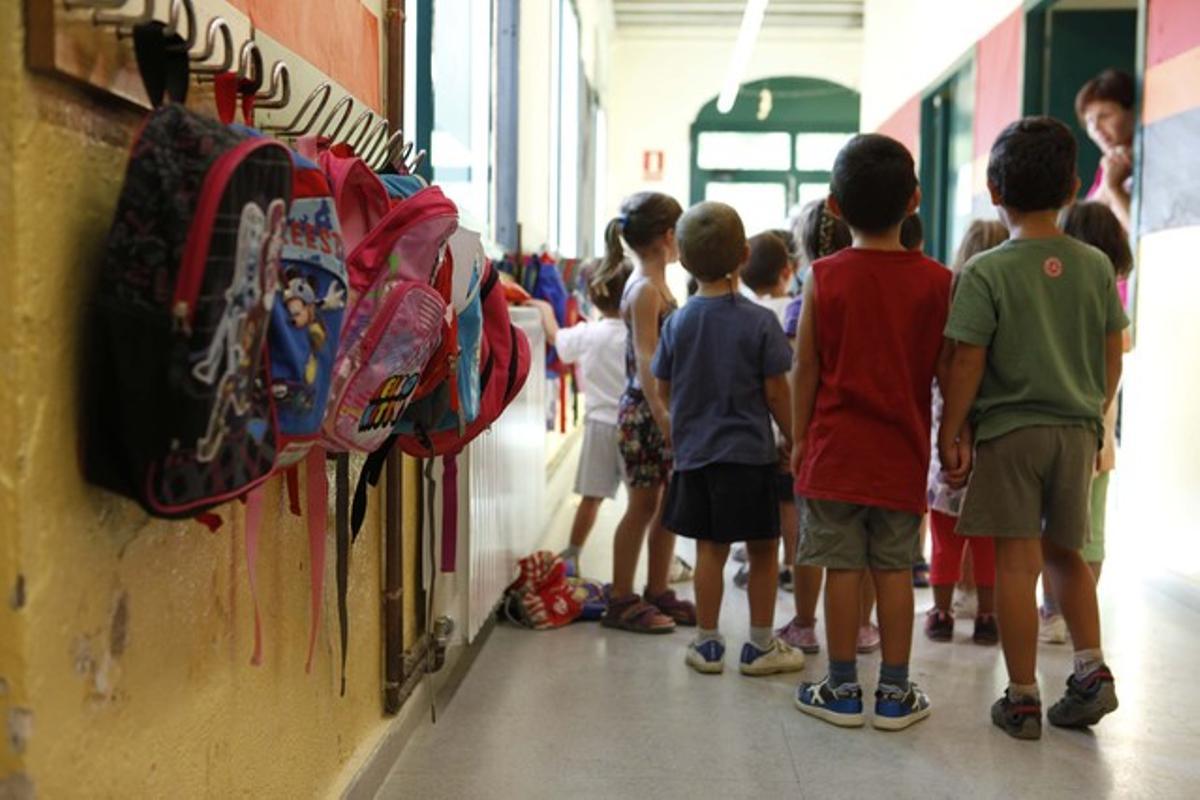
point(839, 535)
point(1093, 551)
point(1032, 483)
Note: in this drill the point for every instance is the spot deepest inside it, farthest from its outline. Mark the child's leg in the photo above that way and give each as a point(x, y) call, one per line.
point(843, 600)
point(710, 582)
point(1077, 593)
point(585, 520)
point(661, 551)
point(946, 561)
point(631, 531)
point(764, 582)
point(789, 529)
point(967, 581)
point(866, 601)
point(1018, 563)
point(808, 592)
point(983, 551)
point(895, 590)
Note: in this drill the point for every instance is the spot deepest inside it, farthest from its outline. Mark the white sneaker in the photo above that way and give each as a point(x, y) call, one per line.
point(707, 657)
point(680, 572)
point(1053, 629)
point(966, 604)
point(777, 658)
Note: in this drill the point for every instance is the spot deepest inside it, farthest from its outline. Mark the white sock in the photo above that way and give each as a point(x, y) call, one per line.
point(761, 637)
point(706, 635)
point(1016, 691)
point(1087, 662)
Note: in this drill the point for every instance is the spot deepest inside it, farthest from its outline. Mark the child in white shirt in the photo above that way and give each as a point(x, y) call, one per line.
point(599, 350)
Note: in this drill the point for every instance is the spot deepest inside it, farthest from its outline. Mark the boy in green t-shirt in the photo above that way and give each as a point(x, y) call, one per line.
point(1032, 361)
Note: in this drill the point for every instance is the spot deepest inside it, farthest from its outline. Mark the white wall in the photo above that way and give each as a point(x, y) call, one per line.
point(907, 44)
point(657, 86)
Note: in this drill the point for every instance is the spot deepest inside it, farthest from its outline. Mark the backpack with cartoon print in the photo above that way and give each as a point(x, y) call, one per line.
point(178, 413)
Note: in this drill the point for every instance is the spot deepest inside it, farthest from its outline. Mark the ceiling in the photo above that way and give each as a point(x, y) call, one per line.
point(782, 15)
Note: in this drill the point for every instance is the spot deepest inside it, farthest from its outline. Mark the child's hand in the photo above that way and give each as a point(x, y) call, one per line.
point(797, 455)
point(956, 454)
point(664, 424)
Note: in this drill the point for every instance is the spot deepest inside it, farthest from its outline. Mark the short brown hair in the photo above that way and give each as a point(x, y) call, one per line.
point(1095, 224)
point(712, 240)
point(820, 233)
point(1112, 84)
point(644, 217)
point(769, 257)
point(981, 235)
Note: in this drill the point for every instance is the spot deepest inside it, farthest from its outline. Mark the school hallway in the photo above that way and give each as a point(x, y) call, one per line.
point(588, 712)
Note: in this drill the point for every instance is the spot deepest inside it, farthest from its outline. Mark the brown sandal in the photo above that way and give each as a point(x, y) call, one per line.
point(682, 611)
point(634, 614)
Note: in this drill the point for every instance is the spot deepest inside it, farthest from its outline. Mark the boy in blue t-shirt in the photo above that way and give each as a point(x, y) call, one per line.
point(722, 365)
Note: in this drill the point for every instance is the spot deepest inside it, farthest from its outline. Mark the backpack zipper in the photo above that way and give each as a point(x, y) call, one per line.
point(195, 252)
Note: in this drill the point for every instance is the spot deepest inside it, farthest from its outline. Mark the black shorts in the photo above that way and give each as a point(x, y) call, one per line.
point(724, 503)
point(785, 486)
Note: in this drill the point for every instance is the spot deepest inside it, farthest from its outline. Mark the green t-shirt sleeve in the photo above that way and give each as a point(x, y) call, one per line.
point(973, 311)
point(1115, 317)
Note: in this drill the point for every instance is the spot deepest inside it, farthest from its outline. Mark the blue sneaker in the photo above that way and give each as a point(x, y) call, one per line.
point(841, 706)
point(707, 657)
point(896, 708)
point(777, 658)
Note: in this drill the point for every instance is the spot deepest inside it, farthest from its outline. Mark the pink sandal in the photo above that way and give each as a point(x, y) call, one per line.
point(682, 611)
point(634, 614)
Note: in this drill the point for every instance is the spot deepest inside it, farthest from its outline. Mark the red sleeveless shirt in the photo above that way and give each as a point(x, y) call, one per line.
point(880, 316)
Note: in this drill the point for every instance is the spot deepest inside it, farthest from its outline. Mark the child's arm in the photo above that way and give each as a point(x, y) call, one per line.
point(644, 316)
point(806, 373)
point(1114, 352)
point(779, 401)
point(549, 321)
point(960, 371)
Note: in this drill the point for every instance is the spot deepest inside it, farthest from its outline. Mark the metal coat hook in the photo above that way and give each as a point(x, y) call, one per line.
point(189, 11)
point(363, 121)
point(100, 17)
point(376, 143)
point(280, 92)
point(250, 66)
point(392, 147)
point(215, 26)
point(320, 96)
point(346, 101)
point(416, 162)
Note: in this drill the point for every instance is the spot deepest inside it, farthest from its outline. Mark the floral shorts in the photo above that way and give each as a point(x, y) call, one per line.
point(643, 449)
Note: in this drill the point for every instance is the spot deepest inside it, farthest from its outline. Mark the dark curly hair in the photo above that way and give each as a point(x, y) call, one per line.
point(820, 233)
point(873, 180)
point(1032, 165)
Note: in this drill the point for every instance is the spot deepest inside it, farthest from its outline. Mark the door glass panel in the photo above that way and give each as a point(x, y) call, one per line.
point(960, 184)
point(744, 151)
point(762, 206)
point(812, 191)
point(815, 151)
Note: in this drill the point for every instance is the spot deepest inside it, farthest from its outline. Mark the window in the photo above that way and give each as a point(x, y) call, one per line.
point(947, 162)
point(566, 117)
point(816, 151)
point(744, 151)
point(460, 144)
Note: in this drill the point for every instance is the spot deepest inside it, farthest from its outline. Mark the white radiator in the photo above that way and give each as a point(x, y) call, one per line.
point(505, 486)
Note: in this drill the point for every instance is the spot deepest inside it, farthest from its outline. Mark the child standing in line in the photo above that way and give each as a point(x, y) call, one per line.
point(599, 349)
point(1036, 328)
point(1095, 224)
point(945, 503)
point(722, 365)
point(768, 272)
point(870, 334)
point(647, 226)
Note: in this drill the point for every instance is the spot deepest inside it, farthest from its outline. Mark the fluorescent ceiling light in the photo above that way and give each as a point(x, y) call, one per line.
point(752, 20)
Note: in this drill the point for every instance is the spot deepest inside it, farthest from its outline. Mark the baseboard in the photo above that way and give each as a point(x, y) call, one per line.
point(370, 777)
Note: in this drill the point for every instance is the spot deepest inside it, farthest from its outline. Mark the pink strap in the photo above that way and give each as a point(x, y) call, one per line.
point(254, 508)
point(449, 513)
point(318, 517)
point(293, 489)
point(225, 89)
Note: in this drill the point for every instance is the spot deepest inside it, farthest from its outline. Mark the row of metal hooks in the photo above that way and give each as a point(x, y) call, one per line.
point(369, 136)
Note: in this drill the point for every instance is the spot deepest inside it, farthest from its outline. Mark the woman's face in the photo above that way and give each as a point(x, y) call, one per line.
point(1109, 124)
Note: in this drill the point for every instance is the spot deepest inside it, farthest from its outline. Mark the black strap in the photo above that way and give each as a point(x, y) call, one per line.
point(162, 60)
point(342, 525)
point(371, 472)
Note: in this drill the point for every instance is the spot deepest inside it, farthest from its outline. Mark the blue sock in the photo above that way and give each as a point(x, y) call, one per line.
point(843, 672)
point(894, 675)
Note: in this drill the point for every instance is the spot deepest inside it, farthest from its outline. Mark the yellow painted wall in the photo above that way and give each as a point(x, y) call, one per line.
point(129, 657)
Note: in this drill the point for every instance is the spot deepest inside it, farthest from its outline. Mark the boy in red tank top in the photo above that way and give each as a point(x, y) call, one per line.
point(868, 344)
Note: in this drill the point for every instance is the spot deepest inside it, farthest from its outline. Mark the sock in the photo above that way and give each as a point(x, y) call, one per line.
point(1017, 691)
point(761, 637)
point(894, 675)
point(706, 635)
point(843, 672)
point(1087, 662)
point(1050, 606)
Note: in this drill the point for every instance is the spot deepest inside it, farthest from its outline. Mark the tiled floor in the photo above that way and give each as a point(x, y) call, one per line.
point(585, 712)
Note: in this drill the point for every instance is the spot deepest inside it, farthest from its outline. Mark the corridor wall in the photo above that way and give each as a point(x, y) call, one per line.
point(124, 641)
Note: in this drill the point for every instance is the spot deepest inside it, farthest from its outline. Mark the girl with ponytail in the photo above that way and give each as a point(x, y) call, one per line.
point(646, 228)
